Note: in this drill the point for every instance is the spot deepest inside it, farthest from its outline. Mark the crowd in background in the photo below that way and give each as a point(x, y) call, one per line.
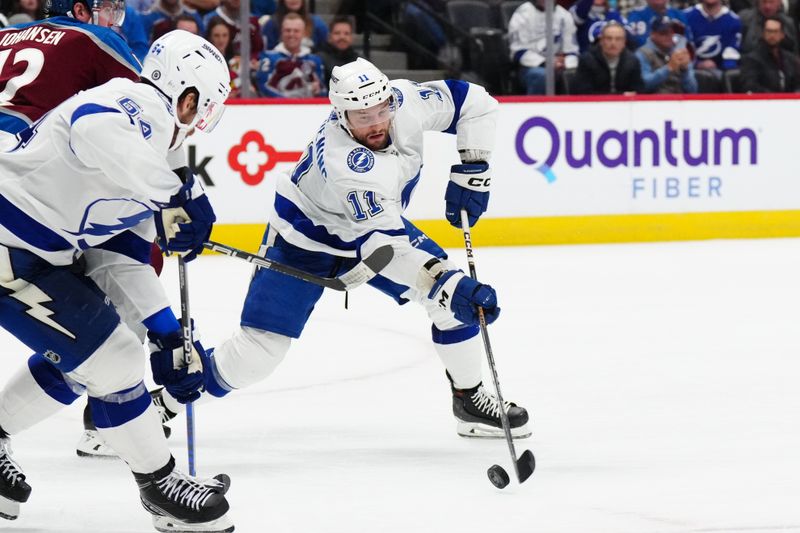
point(600, 46)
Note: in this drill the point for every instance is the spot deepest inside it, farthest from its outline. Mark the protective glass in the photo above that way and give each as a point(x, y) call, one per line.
point(108, 13)
point(211, 117)
point(363, 118)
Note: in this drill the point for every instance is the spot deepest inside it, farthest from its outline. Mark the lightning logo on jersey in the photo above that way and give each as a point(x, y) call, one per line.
point(710, 46)
point(360, 160)
point(32, 296)
point(106, 209)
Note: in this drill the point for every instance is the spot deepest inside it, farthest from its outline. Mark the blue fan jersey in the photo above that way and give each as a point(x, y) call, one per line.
point(718, 38)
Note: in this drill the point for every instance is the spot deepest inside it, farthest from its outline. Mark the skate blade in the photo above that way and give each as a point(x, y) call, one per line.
point(9, 509)
point(93, 447)
point(475, 430)
point(167, 524)
point(92, 455)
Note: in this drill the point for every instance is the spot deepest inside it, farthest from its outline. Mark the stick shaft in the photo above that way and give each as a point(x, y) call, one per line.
point(488, 346)
point(186, 325)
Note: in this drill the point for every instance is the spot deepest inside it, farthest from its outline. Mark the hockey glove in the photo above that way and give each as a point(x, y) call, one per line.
point(185, 229)
point(468, 189)
point(460, 294)
point(182, 381)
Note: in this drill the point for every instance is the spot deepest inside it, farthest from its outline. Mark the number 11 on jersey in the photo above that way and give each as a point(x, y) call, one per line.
point(373, 207)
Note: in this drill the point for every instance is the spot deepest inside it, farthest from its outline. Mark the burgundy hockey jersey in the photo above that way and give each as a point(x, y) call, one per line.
point(43, 63)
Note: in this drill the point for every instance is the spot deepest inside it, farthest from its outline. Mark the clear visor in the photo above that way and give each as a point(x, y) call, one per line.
point(211, 117)
point(108, 13)
point(363, 118)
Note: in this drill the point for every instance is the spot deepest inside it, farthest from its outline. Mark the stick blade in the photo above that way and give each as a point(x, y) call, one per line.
point(379, 258)
point(526, 464)
point(367, 269)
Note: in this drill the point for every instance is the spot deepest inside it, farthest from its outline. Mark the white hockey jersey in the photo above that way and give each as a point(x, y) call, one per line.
point(346, 200)
point(64, 188)
point(527, 35)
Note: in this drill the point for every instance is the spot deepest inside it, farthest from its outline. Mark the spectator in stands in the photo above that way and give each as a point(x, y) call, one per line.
point(770, 68)
point(184, 21)
point(419, 20)
point(527, 38)
point(609, 67)
point(260, 8)
point(202, 6)
point(133, 30)
point(187, 23)
point(623, 6)
point(640, 18)
point(753, 24)
point(338, 50)
point(218, 33)
point(717, 34)
point(291, 70)
point(228, 11)
point(162, 15)
point(33, 8)
point(316, 31)
point(19, 18)
point(666, 64)
point(590, 17)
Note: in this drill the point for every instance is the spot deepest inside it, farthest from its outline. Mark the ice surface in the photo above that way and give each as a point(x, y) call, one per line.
point(663, 381)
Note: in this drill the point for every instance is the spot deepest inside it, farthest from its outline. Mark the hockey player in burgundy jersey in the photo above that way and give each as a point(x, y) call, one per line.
point(43, 63)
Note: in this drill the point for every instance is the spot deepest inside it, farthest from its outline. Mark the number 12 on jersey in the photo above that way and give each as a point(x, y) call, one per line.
point(373, 207)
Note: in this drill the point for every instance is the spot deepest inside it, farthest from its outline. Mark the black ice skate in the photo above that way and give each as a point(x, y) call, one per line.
point(13, 488)
point(91, 443)
point(477, 412)
point(181, 503)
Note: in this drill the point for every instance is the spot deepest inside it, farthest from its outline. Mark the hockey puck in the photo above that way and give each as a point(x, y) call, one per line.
point(498, 476)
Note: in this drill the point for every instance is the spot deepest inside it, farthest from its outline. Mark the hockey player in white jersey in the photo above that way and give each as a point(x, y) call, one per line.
point(91, 173)
point(344, 199)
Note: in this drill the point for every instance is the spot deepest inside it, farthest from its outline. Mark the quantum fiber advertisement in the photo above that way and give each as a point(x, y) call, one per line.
point(551, 159)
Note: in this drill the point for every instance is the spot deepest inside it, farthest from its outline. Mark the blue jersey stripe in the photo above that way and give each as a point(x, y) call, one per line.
point(162, 322)
point(130, 245)
point(292, 214)
point(408, 190)
point(90, 109)
point(29, 230)
point(11, 124)
point(288, 211)
point(459, 90)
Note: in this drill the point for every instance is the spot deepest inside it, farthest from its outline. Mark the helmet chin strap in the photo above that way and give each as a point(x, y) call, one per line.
point(181, 131)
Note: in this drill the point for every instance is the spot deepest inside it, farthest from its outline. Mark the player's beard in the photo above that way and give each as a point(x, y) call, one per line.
point(375, 138)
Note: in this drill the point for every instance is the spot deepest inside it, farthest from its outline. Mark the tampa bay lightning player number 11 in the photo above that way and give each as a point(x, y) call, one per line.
point(344, 199)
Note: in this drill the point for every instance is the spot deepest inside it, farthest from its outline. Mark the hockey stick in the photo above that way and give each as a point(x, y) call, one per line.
point(525, 465)
point(186, 324)
point(361, 273)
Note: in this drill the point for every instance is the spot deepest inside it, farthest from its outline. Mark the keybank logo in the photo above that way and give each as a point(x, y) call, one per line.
point(540, 143)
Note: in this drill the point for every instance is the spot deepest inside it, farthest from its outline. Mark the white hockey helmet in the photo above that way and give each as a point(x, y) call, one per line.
point(180, 60)
point(358, 85)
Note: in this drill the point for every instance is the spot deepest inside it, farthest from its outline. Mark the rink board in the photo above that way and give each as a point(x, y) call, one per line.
point(569, 170)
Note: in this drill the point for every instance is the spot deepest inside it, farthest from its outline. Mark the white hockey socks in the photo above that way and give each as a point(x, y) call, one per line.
point(461, 352)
